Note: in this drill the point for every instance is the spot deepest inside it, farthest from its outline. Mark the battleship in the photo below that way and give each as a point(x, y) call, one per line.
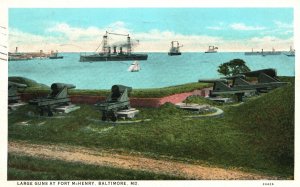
point(263, 53)
point(116, 55)
point(174, 50)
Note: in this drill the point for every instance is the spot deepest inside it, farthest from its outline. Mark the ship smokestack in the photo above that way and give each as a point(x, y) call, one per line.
point(16, 50)
point(115, 49)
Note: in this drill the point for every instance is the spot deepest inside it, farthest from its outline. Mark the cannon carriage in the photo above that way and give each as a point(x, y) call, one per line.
point(57, 97)
point(13, 95)
point(266, 80)
point(222, 86)
point(14, 98)
point(117, 100)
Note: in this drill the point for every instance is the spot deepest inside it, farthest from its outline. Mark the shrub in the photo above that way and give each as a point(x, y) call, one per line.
point(233, 67)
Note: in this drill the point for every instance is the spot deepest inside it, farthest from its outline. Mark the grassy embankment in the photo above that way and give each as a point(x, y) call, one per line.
point(34, 87)
point(256, 136)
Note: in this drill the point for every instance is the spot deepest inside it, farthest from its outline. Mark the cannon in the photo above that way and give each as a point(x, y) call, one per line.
point(57, 97)
point(263, 75)
point(221, 86)
point(266, 79)
point(13, 96)
point(116, 101)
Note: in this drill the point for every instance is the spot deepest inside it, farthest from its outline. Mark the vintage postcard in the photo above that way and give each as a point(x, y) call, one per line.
point(133, 94)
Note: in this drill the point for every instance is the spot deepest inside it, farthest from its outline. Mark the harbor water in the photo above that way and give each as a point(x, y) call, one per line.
point(160, 70)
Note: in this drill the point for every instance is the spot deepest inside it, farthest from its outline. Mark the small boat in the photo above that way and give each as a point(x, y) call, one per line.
point(134, 67)
point(174, 50)
point(211, 49)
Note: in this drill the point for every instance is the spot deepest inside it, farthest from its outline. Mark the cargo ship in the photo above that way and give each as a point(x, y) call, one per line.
point(114, 52)
point(291, 53)
point(211, 49)
point(174, 50)
point(19, 56)
point(54, 55)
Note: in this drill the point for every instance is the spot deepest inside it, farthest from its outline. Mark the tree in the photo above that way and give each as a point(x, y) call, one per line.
point(233, 67)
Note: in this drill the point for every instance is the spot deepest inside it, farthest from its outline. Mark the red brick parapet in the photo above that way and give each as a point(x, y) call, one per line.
point(86, 99)
point(135, 102)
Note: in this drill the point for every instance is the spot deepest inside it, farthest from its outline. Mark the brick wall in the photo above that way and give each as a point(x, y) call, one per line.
point(135, 102)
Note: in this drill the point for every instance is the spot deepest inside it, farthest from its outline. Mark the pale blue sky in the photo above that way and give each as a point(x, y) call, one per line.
point(225, 23)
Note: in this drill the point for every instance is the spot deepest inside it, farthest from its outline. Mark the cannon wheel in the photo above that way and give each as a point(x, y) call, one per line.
point(41, 112)
point(113, 116)
point(50, 113)
point(240, 97)
point(104, 116)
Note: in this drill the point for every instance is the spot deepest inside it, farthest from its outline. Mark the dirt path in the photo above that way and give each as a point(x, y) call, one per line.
point(135, 162)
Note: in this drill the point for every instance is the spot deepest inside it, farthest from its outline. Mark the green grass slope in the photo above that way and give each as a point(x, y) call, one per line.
point(34, 87)
point(257, 135)
point(268, 121)
point(30, 83)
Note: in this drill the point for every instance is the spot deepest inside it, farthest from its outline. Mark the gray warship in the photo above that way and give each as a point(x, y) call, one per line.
point(114, 52)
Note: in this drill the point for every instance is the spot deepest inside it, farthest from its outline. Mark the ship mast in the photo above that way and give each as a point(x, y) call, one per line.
point(173, 48)
point(105, 43)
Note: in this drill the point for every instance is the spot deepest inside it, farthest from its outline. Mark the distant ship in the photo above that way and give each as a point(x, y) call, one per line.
point(174, 50)
point(16, 56)
point(263, 53)
point(54, 55)
point(291, 53)
point(107, 55)
point(211, 49)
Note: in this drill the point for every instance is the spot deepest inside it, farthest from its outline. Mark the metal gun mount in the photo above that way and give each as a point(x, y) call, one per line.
point(221, 87)
point(13, 96)
point(267, 80)
point(263, 75)
point(116, 101)
point(57, 97)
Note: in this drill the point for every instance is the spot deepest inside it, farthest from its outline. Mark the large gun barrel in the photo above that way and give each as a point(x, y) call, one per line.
point(59, 86)
point(270, 72)
point(117, 91)
point(213, 80)
point(18, 85)
point(120, 89)
point(234, 77)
